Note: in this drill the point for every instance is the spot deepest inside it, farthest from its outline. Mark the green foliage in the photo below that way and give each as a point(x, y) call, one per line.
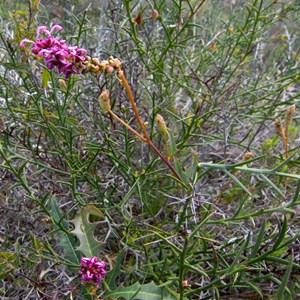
point(137, 291)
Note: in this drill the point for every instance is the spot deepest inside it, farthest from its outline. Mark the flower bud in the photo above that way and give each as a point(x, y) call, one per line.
point(103, 64)
point(155, 14)
point(94, 68)
point(62, 85)
point(109, 69)
point(95, 61)
point(104, 101)
point(114, 62)
point(138, 19)
point(248, 155)
point(184, 283)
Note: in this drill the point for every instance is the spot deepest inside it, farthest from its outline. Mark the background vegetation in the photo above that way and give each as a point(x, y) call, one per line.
point(220, 73)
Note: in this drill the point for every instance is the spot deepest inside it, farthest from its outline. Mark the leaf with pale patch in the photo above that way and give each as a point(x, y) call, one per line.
point(84, 230)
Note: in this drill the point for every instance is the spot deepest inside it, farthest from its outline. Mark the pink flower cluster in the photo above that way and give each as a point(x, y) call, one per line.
point(92, 270)
point(57, 53)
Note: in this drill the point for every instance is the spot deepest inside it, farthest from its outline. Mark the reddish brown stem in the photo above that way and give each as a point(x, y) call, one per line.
point(141, 124)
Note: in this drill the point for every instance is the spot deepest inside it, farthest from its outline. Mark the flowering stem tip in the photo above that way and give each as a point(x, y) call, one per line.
point(92, 270)
point(57, 53)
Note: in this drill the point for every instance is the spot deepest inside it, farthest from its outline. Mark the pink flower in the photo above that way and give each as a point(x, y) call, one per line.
point(92, 270)
point(57, 53)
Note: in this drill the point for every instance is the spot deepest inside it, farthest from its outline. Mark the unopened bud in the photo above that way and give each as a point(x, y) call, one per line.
point(62, 85)
point(109, 69)
point(114, 62)
point(155, 14)
point(161, 124)
point(93, 68)
point(248, 155)
point(95, 61)
point(185, 283)
point(104, 101)
point(103, 64)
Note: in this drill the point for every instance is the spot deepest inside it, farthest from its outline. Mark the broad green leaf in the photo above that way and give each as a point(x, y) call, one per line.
point(84, 230)
point(66, 241)
point(142, 292)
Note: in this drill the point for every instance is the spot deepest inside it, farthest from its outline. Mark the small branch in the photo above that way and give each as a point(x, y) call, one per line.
point(127, 126)
point(141, 124)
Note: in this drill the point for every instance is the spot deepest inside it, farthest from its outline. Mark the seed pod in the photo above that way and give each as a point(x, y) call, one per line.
point(290, 113)
point(279, 128)
point(161, 124)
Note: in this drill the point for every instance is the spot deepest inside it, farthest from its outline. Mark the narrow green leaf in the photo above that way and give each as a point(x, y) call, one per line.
point(279, 167)
point(283, 286)
point(255, 288)
point(180, 171)
point(6, 263)
point(233, 268)
point(297, 192)
point(266, 179)
point(281, 235)
point(237, 182)
point(259, 239)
